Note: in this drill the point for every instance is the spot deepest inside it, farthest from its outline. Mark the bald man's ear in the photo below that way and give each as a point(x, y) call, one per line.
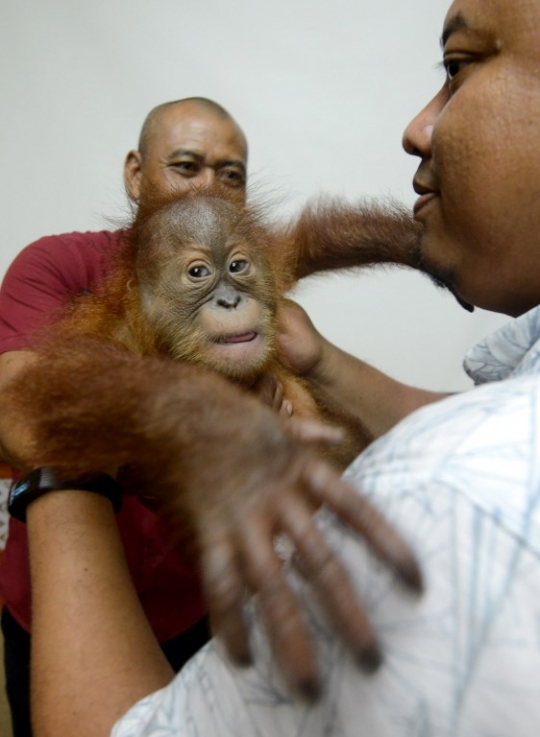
point(132, 175)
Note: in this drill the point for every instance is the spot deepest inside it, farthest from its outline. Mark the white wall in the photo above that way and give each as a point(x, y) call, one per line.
point(322, 88)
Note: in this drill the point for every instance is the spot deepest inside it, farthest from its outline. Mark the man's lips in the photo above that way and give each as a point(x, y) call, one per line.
point(423, 201)
point(427, 194)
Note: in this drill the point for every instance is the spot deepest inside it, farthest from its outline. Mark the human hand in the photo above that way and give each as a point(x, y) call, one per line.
point(270, 392)
point(300, 346)
point(260, 484)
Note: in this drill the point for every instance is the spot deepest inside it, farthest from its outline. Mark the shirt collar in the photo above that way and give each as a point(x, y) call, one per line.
point(509, 351)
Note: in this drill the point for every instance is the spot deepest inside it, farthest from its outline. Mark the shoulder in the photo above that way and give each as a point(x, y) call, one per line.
point(449, 425)
point(45, 276)
point(71, 258)
point(67, 245)
point(480, 446)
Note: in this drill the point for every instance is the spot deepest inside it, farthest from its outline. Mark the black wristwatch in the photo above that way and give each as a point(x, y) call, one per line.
point(41, 480)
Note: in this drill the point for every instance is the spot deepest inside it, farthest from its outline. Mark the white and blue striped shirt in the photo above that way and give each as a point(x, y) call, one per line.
point(461, 480)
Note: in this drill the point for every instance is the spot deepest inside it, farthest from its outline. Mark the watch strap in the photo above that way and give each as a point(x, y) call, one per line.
point(41, 480)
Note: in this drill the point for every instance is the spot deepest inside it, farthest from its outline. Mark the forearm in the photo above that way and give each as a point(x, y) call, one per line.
point(379, 401)
point(335, 235)
point(93, 653)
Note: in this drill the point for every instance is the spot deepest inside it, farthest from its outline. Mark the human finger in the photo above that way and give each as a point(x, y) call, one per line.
point(360, 514)
point(269, 390)
point(277, 400)
point(226, 596)
point(286, 410)
point(313, 432)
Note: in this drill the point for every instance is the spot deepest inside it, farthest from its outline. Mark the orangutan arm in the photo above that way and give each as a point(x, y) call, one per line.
point(221, 463)
point(15, 441)
point(330, 235)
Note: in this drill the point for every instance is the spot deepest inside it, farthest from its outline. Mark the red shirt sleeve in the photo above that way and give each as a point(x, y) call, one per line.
point(44, 277)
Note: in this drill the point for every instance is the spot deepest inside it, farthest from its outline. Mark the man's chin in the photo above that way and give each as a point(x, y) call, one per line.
point(442, 277)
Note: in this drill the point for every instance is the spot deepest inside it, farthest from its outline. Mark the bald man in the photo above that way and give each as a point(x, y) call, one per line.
point(183, 143)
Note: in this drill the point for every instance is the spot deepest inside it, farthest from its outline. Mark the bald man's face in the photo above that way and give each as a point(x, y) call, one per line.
point(187, 146)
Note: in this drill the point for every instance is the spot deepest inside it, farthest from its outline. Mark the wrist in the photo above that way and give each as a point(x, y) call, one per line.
point(68, 507)
point(45, 480)
point(321, 370)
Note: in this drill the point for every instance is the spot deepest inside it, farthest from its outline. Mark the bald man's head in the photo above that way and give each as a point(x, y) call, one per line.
point(184, 144)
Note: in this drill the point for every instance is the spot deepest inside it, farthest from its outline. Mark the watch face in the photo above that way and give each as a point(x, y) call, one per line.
point(17, 496)
point(20, 488)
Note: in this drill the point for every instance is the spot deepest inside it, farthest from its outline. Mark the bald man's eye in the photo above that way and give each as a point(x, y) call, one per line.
point(232, 176)
point(187, 168)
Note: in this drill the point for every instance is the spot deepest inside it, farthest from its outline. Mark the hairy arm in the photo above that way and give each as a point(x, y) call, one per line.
point(222, 465)
point(14, 440)
point(332, 234)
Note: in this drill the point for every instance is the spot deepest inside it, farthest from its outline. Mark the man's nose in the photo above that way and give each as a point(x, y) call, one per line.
point(207, 176)
point(418, 134)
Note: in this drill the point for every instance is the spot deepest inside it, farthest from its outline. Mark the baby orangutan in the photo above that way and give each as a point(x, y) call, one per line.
point(200, 280)
point(132, 378)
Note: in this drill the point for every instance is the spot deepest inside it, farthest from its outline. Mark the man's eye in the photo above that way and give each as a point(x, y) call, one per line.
point(187, 167)
point(232, 177)
point(236, 267)
point(199, 272)
point(453, 66)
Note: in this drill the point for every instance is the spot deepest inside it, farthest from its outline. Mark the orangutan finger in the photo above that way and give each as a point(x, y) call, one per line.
point(282, 615)
point(226, 596)
point(332, 584)
point(361, 515)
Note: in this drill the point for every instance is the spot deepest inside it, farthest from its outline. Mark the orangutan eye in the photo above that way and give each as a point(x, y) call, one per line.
point(199, 272)
point(236, 267)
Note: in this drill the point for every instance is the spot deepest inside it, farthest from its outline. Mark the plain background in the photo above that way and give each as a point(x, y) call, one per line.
point(322, 89)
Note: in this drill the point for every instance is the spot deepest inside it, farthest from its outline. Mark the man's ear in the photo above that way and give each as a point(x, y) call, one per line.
point(132, 175)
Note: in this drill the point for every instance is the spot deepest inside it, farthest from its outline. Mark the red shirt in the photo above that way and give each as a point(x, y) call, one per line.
point(40, 281)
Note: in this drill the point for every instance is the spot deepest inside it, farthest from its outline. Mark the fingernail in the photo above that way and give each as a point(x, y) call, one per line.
point(309, 691)
point(370, 659)
point(411, 575)
point(243, 660)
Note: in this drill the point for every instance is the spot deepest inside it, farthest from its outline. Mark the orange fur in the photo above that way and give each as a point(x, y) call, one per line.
point(121, 315)
point(117, 313)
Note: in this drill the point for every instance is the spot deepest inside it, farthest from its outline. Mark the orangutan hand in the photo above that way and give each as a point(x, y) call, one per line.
point(264, 483)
